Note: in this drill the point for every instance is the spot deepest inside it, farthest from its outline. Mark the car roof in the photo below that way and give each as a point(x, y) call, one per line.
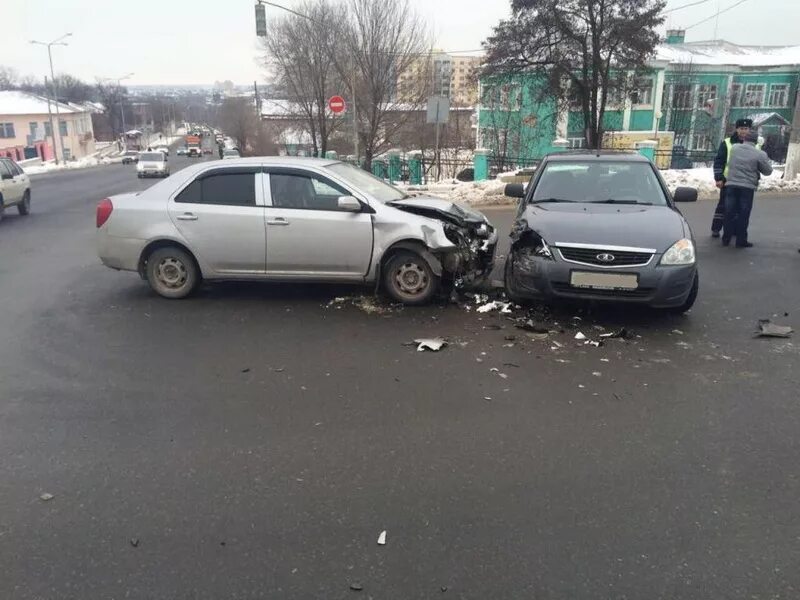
point(283, 161)
point(596, 156)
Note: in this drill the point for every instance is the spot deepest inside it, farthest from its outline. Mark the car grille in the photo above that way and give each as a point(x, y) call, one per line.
point(565, 288)
point(589, 256)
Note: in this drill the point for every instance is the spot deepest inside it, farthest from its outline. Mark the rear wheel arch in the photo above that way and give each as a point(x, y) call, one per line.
point(163, 243)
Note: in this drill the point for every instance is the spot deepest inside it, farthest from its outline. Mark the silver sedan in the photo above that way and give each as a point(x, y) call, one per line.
point(292, 219)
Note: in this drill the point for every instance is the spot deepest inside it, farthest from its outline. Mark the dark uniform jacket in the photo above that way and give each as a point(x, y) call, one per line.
point(721, 159)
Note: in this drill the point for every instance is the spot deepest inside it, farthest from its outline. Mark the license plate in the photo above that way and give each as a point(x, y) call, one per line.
point(604, 281)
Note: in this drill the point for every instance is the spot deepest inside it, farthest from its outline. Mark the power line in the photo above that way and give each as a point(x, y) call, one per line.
point(685, 6)
point(715, 15)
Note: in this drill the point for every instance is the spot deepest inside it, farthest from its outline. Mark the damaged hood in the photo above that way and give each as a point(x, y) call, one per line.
point(606, 224)
point(437, 208)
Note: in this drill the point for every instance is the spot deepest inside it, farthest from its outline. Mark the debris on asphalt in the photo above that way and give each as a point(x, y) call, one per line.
point(487, 398)
point(367, 304)
point(135, 542)
point(622, 334)
point(503, 307)
point(46, 497)
point(580, 336)
point(677, 331)
point(604, 360)
point(592, 343)
point(432, 344)
point(356, 587)
point(246, 370)
point(510, 364)
point(382, 538)
point(767, 328)
point(597, 373)
point(443, 588)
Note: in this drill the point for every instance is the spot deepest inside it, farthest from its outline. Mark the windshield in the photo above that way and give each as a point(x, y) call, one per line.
point(231, 153)
point(152, 156)
point(366, 182)
point(609, 182)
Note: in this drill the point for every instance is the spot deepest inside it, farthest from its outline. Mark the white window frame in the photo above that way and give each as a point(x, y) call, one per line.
point(754, 90)
point(779, 88)
point(643, 92)
point(676, 95)
point(706, 92)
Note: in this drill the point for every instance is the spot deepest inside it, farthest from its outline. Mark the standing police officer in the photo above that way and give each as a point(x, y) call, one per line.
point(721, 170)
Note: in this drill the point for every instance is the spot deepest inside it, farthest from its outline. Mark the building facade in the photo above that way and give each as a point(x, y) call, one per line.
point(441, 74)
point(26, 132)
point(696, 91)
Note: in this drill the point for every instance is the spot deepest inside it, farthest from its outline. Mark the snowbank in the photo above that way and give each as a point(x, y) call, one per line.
point(491, 192)
point(83, 163)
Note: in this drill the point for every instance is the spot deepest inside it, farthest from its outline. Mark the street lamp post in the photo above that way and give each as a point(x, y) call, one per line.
point(49, 45)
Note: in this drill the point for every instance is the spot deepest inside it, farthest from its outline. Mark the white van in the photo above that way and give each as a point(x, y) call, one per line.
point(152, 164)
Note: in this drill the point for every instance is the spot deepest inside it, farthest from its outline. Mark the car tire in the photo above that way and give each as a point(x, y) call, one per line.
point(172, 272)
point(690, 299)
point(409, 279)
point(24, 207)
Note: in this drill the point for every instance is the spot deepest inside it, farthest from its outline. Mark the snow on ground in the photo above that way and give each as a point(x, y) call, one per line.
point(491, 192)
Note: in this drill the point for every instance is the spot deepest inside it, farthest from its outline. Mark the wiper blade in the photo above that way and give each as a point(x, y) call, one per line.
point(614, 201)
point(542, 200)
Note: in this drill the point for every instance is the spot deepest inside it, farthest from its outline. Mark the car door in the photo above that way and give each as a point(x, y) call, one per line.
point(10, 185)
point(308, 236)
point(20, 179)
point(221, 216)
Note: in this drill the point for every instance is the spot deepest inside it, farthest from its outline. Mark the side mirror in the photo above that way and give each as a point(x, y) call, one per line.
point(685, 194)
point(349, 204)
point(514, 190)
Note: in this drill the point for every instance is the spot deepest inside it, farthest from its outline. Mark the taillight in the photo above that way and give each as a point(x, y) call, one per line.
point(104, 208)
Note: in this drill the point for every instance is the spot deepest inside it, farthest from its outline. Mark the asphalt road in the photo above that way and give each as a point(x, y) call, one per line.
point(252, 442)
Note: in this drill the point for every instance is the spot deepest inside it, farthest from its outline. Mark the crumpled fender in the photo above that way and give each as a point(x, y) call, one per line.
point(419, 248)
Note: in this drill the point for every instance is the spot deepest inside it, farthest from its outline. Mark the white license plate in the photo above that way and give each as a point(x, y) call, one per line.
point(604, 281)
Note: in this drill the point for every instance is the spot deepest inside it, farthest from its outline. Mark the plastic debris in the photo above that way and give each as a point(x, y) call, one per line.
point(246, 370)
point(592, 343)
point(597, 373)
point(382, 538)
point(767, 328)
point(356, 587)
point(622, 334)
point(677, 331)
point(487, 398)
point(580, 336)
point(135, 542)
point(46, 497)
point(432, 344)
point(503, 307)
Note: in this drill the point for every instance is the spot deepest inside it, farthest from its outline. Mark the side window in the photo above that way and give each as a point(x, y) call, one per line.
point(230, 189)
point(16, 169)
point(304, 191)
point(5, 170)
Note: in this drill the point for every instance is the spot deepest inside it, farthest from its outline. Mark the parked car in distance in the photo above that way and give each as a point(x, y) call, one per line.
point(180, 151)
point(292, 219)
point(230, 153)
point(130, 157)
point(152, 164)
point(164, 149)
point(601, 226)
point(15, 187)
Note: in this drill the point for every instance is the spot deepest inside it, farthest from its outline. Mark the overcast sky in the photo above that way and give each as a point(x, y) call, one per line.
point(200, 41)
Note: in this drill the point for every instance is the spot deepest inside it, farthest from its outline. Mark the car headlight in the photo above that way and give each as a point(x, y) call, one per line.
point(680, 253)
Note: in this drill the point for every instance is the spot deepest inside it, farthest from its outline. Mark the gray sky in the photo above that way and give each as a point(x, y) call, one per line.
point(200, 41)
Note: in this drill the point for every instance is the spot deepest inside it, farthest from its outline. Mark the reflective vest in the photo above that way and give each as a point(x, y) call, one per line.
point(728, 147)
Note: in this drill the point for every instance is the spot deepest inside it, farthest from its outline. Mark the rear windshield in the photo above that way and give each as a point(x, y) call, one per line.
point(594, 181)
point(153, 156)
point(231, 153)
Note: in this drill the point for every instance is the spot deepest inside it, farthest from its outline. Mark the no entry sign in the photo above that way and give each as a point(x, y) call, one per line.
point(336, 104)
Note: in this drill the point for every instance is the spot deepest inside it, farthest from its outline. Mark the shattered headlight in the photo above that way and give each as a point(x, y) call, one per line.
point(483, 230)
point(543, 250)
point(680, 253)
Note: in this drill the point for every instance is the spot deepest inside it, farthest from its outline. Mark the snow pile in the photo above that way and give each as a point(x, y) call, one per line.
point(703, 180)
point(89, 161)
point(491, 192)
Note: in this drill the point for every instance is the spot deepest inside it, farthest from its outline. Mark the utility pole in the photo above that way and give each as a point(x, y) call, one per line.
point(793, 155)
point(119, 81)
point(49, 46)
point(52, 129)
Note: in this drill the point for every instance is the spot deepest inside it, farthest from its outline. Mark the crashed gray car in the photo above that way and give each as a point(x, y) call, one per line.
point(601, 226)
point(292, 219)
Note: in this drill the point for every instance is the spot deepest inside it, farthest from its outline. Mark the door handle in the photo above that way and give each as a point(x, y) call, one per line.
point(187, 217)
point(277, 221)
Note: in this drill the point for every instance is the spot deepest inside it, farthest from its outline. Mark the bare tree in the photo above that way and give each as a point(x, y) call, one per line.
point(382, 39)
point(9, 78)
point(300, 52)
point(592, 50)
point(239, 120)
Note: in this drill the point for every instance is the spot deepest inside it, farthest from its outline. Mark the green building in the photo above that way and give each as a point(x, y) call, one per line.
point(696, 90)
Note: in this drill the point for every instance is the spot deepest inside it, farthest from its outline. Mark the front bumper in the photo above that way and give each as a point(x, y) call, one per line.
point(540, 278)
point(472, 264)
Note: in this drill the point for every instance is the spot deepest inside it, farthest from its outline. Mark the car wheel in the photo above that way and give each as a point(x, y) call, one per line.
point(172, 272)
point(408, 278)
point(24, 207)
point(508, 282)
point(690, 299)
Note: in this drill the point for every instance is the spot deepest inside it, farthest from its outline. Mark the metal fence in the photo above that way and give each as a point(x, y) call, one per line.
point(502, 164)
